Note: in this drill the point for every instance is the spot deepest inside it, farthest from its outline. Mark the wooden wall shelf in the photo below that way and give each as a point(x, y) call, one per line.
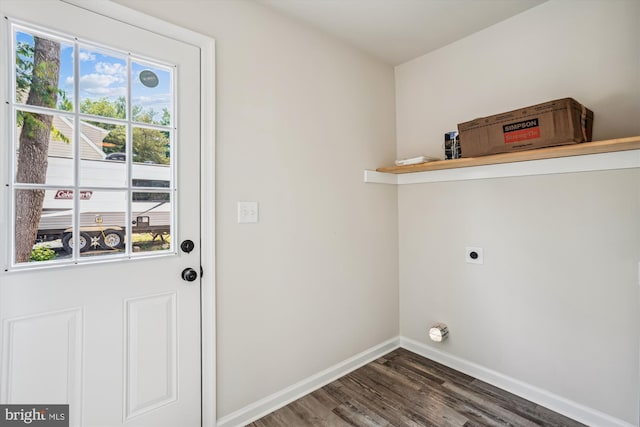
point(621, 153)
point(608, 146)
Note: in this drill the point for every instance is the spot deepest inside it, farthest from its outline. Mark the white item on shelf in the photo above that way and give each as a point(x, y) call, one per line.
point(415, 160)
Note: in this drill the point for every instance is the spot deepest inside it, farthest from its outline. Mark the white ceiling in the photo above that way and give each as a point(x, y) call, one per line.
point(396, 31)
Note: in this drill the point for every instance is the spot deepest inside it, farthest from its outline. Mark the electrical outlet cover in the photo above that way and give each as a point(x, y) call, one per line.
point(474, 255)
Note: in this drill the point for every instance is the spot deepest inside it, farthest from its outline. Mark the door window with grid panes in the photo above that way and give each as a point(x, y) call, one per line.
point(92, 171)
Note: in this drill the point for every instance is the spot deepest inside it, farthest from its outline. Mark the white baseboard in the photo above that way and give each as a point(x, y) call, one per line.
point(542, 397)
point(281, 398)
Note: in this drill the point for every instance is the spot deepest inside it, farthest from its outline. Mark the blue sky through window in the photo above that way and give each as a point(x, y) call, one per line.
point(104, 75)
point(101, 76)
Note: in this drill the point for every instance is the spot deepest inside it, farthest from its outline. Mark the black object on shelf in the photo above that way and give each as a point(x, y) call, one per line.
point(452, 145)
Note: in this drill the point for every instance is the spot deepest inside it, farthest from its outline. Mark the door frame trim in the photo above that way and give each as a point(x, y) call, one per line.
point(206, 45)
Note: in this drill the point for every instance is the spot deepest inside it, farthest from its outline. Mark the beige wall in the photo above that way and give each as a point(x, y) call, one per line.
point(585, 49)
point(556, 303)
point(299, 116)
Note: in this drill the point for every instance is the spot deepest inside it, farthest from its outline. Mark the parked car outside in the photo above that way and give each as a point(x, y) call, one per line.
point(116, 156)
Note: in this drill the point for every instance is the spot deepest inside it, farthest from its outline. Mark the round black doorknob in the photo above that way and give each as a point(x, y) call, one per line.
point(187, 246)
point(189, 274)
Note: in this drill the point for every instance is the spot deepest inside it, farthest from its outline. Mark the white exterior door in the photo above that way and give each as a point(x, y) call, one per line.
point(99, 316)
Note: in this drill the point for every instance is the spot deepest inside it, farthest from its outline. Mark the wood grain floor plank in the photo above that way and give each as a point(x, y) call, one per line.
point(432, 398)
point(337, 391)
point(328, 399)
point(402, 389)
point(498, 414)
point(283, 417)
point(357, 414)
point(314, 412)
point(501, 395)
point(407, 358)
point(522, 407)
point(265, 421)
point(482, 409)
point(424, 406)
point(553, 419)
point(384, 405)
point(437, 406)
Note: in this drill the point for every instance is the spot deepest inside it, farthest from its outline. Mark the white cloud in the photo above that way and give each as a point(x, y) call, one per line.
point(102, 84)
point(109, 92)
point(162, 98)
point(86, 56)
point(113, 69)
point(156, 102)
point(98, 80)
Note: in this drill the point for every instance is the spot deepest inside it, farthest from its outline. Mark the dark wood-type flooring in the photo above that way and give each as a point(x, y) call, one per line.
point(404, 389)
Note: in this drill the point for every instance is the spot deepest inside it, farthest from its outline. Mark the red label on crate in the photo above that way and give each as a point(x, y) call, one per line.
point(521, 135)
point(521, 131)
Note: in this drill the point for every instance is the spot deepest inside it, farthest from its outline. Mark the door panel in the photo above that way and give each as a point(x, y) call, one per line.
point(115, 332)
point(59, 336)
point(151, 353)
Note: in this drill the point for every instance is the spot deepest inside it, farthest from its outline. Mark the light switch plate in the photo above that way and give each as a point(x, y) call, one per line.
point(247, 212)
